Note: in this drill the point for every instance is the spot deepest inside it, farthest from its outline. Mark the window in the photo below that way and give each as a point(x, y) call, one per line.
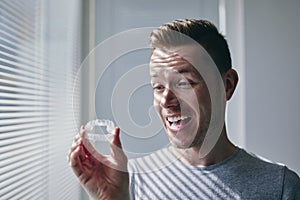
point(39, 109)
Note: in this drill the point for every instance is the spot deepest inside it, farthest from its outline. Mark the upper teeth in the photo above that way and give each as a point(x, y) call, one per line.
point(175, 119)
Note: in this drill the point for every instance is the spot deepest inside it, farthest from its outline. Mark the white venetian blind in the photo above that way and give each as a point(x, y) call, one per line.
point(38, 108)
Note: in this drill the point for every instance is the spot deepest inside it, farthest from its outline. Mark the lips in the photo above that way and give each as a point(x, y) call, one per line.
point(177, 123)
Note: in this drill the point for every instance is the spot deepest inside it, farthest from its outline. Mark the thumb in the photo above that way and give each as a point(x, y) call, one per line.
point(117, 152)
point(116, 140)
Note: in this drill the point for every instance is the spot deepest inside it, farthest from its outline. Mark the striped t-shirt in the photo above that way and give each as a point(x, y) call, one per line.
point(241, 176)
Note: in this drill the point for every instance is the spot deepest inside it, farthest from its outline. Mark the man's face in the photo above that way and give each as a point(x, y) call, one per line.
point(181, 98)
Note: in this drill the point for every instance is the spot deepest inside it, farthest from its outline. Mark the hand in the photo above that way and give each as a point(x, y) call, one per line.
point(103, 177)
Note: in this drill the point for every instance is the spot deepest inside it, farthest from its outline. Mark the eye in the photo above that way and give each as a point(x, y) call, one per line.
point(158, 88)
point(184, 84)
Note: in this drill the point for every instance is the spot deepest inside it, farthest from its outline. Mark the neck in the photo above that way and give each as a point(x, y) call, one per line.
point(222, 150)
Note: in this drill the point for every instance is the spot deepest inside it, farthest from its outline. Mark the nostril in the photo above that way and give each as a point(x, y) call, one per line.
point(168, 102)
point(169, 94)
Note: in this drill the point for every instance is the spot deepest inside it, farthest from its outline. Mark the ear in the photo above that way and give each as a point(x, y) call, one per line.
point(230, 80)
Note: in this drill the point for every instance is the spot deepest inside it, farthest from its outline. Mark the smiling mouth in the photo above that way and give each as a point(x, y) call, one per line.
point(178, 122)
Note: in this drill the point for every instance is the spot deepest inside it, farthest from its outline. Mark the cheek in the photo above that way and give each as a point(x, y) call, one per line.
point(156, 104)
point(155, 101)
point(189, 100)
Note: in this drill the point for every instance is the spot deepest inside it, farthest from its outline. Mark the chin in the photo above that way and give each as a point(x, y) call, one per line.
point(180, 143)
point(185, 141)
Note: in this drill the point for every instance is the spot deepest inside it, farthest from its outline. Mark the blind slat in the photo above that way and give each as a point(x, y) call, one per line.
point(16, 39)
point(24, 96)
point(32, 130)
point(22, 146)
point(15, 142)
point(34, 174)
point(13, 122)
point(23, 84)
point(24, 54)
point(23, 90)
point(45, 78)
point(20, 59)
point(24, 35)
point(34, 159)
point(24, 102)
point(22, 126)
point(32, 191)
point(19, 78)
point(14, 23)
point(22, 114)
point(9, 154)
point(12, 10)
point(22, 108)
point(21, 47)
point(38, 72)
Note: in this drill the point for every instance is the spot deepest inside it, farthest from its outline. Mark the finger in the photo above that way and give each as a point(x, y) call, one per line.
point(75, 161)
point(82, 130)
point(117, 152)
point(77, 155)
point(116, 146)
point(76, 137)
point(81, 162)
point(76, 141)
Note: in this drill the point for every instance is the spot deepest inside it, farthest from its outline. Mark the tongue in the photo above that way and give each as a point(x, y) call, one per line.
point(177, 123)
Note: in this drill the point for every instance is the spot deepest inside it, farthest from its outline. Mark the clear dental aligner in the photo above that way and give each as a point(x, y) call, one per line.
point(89, 127)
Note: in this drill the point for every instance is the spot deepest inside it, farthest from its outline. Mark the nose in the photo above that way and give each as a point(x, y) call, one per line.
point(169, 99)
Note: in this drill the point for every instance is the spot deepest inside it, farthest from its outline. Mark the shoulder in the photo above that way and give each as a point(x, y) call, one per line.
point(255, 170)
point(291, 185)
point(274, 174)
point(257, 162)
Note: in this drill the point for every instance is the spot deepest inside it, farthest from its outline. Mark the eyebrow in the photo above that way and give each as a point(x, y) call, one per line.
point(180, 71)
point(184, 70)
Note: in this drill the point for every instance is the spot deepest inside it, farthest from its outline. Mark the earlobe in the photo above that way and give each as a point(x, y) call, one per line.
point(230, 79)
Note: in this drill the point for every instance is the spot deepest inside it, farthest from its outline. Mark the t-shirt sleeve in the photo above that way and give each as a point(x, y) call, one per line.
point(297, 195)
point(291, 185)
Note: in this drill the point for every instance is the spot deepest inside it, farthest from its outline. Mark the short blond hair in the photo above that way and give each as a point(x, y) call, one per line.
point(201, 31)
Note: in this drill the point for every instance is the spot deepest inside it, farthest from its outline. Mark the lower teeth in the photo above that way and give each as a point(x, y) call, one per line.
point(178, 123)
point(175, 124)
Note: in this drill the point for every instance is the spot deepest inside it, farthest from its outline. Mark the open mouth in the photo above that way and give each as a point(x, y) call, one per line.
point(178, 122)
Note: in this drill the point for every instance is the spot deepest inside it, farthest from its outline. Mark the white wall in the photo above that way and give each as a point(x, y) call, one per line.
point(272, 30)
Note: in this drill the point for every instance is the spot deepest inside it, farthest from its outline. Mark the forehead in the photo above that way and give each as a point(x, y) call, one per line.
point(172, 59)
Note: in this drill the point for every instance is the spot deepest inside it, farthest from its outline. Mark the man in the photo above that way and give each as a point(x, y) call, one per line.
point(190, 98)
